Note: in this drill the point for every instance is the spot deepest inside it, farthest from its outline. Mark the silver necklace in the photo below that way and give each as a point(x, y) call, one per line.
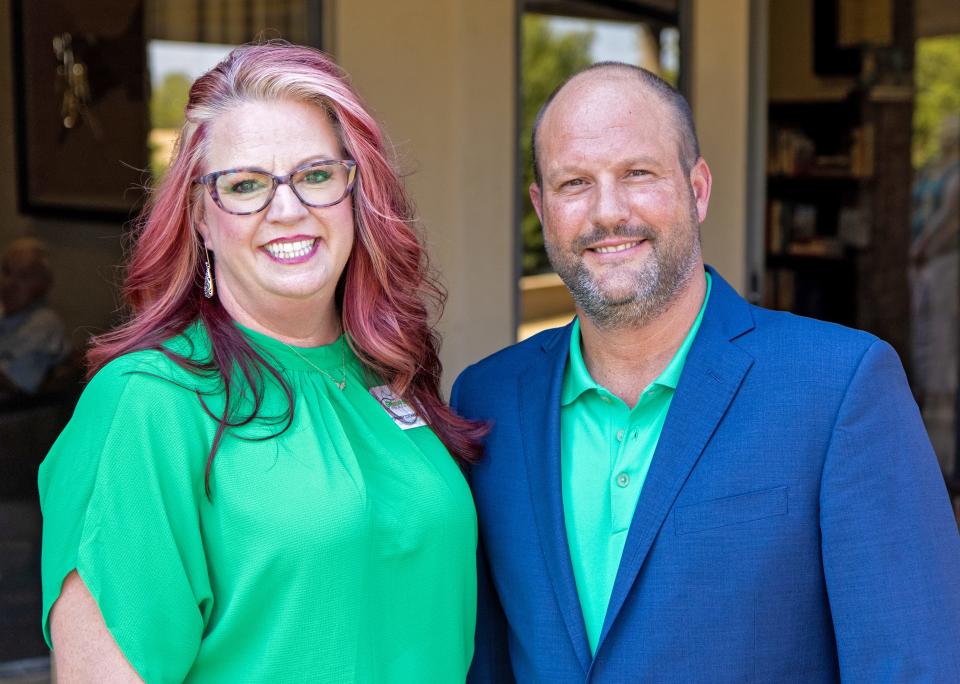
point(342, 382)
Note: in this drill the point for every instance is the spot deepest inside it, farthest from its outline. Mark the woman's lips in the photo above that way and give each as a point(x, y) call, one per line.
point(291, 251)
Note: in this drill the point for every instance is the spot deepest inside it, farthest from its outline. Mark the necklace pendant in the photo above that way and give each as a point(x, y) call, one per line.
point(343, 365)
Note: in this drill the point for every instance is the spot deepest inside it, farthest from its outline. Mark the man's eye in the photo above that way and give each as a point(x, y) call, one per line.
point(574, 182)
point(638, 173)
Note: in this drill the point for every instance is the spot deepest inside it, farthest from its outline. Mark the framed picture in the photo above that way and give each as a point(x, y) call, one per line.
point(830, 58)
point(82, 113)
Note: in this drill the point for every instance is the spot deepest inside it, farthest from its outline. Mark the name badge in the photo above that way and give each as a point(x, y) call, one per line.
point(401, 412)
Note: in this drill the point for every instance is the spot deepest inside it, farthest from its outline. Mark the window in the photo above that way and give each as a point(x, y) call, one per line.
point(558, 38)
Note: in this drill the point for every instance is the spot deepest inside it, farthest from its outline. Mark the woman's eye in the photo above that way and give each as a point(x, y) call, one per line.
point(316, 176)
point(245, 186)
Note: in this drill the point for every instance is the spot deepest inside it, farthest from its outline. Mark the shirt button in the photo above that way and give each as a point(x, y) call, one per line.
point(619, 435)
point(623, 480)
point(606, 400)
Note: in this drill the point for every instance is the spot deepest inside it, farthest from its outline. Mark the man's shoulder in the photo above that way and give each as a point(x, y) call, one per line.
point(780, 336)
point(782, 323)
point(518, 355)
point(799, 337)
point(511, 360)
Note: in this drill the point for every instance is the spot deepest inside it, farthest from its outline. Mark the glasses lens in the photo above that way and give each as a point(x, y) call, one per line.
point(322, 184)
point(244, 191)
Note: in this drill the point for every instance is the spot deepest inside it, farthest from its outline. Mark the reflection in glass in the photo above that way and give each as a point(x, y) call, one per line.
point(934, 253)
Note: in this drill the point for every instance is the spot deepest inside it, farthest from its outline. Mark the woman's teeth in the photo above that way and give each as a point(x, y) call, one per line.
point(289, 250)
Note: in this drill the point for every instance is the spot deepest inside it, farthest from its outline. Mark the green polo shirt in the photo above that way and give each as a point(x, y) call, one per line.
point(605, 453)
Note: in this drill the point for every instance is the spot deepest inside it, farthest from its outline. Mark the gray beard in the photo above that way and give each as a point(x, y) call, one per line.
point(655, 287)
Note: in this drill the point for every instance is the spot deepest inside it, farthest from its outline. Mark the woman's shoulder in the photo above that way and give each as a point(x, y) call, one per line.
point(172, 371)
point(139, 413)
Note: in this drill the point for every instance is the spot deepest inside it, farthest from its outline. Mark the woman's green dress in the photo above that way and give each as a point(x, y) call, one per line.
point(342, 550)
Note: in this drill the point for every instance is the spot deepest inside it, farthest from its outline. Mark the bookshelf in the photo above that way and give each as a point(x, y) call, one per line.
point(820, 162)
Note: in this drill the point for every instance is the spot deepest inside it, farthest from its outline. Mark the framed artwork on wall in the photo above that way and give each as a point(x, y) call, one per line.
point(830, 56)
point(81, 107)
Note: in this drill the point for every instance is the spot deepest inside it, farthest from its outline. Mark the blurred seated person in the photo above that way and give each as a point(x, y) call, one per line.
point(31, 333)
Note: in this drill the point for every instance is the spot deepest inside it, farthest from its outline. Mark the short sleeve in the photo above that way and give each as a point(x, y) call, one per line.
point(121, 491)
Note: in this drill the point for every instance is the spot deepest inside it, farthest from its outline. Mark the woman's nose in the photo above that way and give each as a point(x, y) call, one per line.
point(285, 207)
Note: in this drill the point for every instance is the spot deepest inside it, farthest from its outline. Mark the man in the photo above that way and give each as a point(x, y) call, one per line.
point(31, 333)
point(679, 486)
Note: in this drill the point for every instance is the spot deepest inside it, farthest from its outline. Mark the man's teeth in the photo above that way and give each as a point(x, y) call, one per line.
point(615, 248)
point(289, 250)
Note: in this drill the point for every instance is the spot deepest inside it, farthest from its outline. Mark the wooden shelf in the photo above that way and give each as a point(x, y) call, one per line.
point(814, 177)
point(809, 260)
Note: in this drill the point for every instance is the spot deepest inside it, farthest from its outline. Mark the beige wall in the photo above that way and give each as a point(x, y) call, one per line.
point(720, 101)
point(440, 76)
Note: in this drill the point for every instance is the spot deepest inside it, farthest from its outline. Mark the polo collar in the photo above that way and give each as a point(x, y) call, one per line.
point(577, 379)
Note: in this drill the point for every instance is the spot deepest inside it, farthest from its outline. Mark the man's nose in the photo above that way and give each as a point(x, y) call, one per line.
point(285, 207)
point(611, 206)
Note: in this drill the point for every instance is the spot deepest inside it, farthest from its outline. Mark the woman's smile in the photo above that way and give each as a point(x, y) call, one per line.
point(295, 250)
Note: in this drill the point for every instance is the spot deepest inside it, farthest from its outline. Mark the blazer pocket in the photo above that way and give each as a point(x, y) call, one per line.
point(731, 510)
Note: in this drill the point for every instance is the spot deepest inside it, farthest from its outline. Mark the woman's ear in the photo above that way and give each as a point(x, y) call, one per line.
point(198, 218)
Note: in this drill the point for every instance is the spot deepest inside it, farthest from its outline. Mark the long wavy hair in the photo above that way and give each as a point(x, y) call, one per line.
point(386, 295)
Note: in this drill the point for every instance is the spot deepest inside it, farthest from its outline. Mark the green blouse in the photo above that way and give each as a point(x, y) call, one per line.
point(342, 550)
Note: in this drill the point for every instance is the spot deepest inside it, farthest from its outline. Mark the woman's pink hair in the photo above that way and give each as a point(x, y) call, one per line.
point(386, 293)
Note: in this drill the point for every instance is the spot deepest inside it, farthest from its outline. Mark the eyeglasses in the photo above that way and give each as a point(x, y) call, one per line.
point(249, 190)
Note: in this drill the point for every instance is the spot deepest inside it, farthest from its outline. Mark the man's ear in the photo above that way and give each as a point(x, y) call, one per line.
point(536, 198)
point(701, 182)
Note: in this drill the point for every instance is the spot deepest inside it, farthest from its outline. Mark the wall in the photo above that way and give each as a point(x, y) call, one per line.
point(440, 76)
point(721, 105)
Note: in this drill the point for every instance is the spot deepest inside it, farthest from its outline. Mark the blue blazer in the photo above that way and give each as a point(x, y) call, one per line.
point(793, 527)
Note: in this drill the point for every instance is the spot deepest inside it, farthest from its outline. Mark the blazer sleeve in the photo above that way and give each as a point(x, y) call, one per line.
point(491, 656)
point(891, 550)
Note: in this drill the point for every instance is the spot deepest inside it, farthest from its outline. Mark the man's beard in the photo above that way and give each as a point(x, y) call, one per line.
point(656, 281)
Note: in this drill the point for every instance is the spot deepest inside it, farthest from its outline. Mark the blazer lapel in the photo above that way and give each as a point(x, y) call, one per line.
point(712, 375)
point(539, 393)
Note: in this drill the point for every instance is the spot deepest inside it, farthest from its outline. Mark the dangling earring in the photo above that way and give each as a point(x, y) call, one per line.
point(207, 276)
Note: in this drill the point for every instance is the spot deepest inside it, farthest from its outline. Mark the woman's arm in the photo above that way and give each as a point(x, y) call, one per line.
point(83, 649)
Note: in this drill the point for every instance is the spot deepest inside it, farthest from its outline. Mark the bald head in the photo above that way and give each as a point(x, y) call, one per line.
point(648, 83)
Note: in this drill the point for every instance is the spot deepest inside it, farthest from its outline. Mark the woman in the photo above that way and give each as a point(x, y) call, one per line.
point(257, 484)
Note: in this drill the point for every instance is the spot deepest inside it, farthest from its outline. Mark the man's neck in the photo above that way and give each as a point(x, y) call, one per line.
point(626, 360)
